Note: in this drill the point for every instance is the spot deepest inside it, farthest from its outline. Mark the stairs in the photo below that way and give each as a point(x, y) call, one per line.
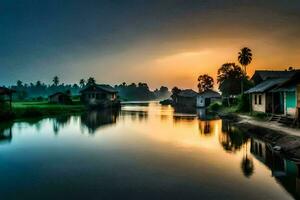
point(275, 118)
point(286, 120)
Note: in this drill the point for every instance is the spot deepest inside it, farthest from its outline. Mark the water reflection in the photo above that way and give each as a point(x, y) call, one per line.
point(5, 133)
point(161, 146)
point(94, 120)
point(286, 172)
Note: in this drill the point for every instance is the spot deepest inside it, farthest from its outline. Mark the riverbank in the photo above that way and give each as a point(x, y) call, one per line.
point(22, 110)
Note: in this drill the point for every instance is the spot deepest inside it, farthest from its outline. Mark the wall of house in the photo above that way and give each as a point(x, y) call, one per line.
point(290, 103)
point(187, 101)
point(200, 101)
point(259, 106)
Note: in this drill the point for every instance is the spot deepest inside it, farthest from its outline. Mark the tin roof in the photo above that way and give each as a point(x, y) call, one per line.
point(188, 93)
point(266, 85)
point(103, 87)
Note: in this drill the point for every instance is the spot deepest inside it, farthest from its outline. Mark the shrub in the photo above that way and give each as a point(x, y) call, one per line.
point(243, 103)
point(215, 106)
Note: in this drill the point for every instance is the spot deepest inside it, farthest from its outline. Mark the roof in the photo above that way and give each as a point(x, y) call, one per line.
point(103, 87)
point(58, 93)
point(210, 93)
point(266, 74)
point(266, 85)
point(188, 93)
point(5, 91)
point(289, 85)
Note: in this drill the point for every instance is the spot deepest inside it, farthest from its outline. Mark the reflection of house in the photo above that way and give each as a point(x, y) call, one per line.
point(186, 98)
point(96, 119)
point(205, 98)
point(99, 95)
point(268, 96)
point(60, 97)
point(286, 172)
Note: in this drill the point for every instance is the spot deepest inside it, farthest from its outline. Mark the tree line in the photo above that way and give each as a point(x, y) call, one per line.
point(40, 90)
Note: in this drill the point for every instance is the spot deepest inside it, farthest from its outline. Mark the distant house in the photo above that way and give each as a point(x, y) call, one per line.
point(6, 95)
point(186, 98)
point(99, 95)
point(60, 98)
point(275, 94)
point(205, 98)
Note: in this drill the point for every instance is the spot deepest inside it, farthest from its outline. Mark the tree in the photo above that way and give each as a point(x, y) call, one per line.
point(229, 74)
point(205, 82)
point(38, 84)
point(19, 84)
point(175, 92)
point(91, 81)
point(55, 80)
point(82, 82)
point(245, 58)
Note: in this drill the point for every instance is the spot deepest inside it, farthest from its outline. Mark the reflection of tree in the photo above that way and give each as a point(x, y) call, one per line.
point(60, 122)
point(96, 119)
point(5, 132)
point(232, 139)
point(247, 164)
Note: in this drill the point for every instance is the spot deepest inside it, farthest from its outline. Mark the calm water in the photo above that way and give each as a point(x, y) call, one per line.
point(145, 151)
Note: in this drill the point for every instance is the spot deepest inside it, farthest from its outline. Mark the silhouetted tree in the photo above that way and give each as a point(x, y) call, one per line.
point(82, 83)
point(205, 82)
point(91, 81)
point(245, 58)
point(55, 80)
point(229, 74)
point(175, 92)
point(19, 83)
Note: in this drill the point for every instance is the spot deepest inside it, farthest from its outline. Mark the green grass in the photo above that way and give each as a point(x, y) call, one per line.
point(43, 108)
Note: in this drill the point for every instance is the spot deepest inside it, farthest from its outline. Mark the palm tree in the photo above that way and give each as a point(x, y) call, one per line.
point(245, 58)
point(82, 82)
point(56, 80)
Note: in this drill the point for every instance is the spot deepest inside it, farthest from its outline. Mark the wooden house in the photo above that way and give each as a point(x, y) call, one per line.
point(277, 95)
point(186, 98)
point(100, 95)
point(205, 98)
point(60, 98)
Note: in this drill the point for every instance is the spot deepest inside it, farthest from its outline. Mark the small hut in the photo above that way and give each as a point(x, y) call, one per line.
point(60, 98)
point(186, 98)
point(100, 95)
point(206, 97)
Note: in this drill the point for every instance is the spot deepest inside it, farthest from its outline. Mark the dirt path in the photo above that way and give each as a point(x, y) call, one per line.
point(269, 125)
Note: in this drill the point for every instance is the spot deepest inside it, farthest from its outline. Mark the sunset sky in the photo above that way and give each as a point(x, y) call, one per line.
point(161, 42)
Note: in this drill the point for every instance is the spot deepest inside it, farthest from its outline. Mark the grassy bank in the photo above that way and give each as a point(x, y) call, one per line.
point(42, 109)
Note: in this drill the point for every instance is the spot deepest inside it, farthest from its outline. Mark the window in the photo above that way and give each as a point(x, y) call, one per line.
point(255, 99)
point(259, 99)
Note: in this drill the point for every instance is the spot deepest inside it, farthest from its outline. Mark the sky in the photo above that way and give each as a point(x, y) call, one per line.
point(161, 42)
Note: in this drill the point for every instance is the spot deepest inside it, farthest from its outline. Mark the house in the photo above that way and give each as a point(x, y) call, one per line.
point(6, 95)
point(262, 75)
point(60, 98)
point(291, 93)
point(186, 98)
point(100, 95)
point(205, 98)
point(276, 95)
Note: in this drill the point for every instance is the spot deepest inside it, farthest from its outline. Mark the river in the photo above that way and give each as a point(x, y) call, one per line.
point(143, 151)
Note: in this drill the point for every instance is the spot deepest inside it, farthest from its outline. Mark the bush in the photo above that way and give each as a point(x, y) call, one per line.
point(243, 103)
point(259, 115)
point(215, 106)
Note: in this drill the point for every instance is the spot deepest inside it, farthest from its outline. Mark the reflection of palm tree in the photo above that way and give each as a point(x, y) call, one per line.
point(247, 164)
